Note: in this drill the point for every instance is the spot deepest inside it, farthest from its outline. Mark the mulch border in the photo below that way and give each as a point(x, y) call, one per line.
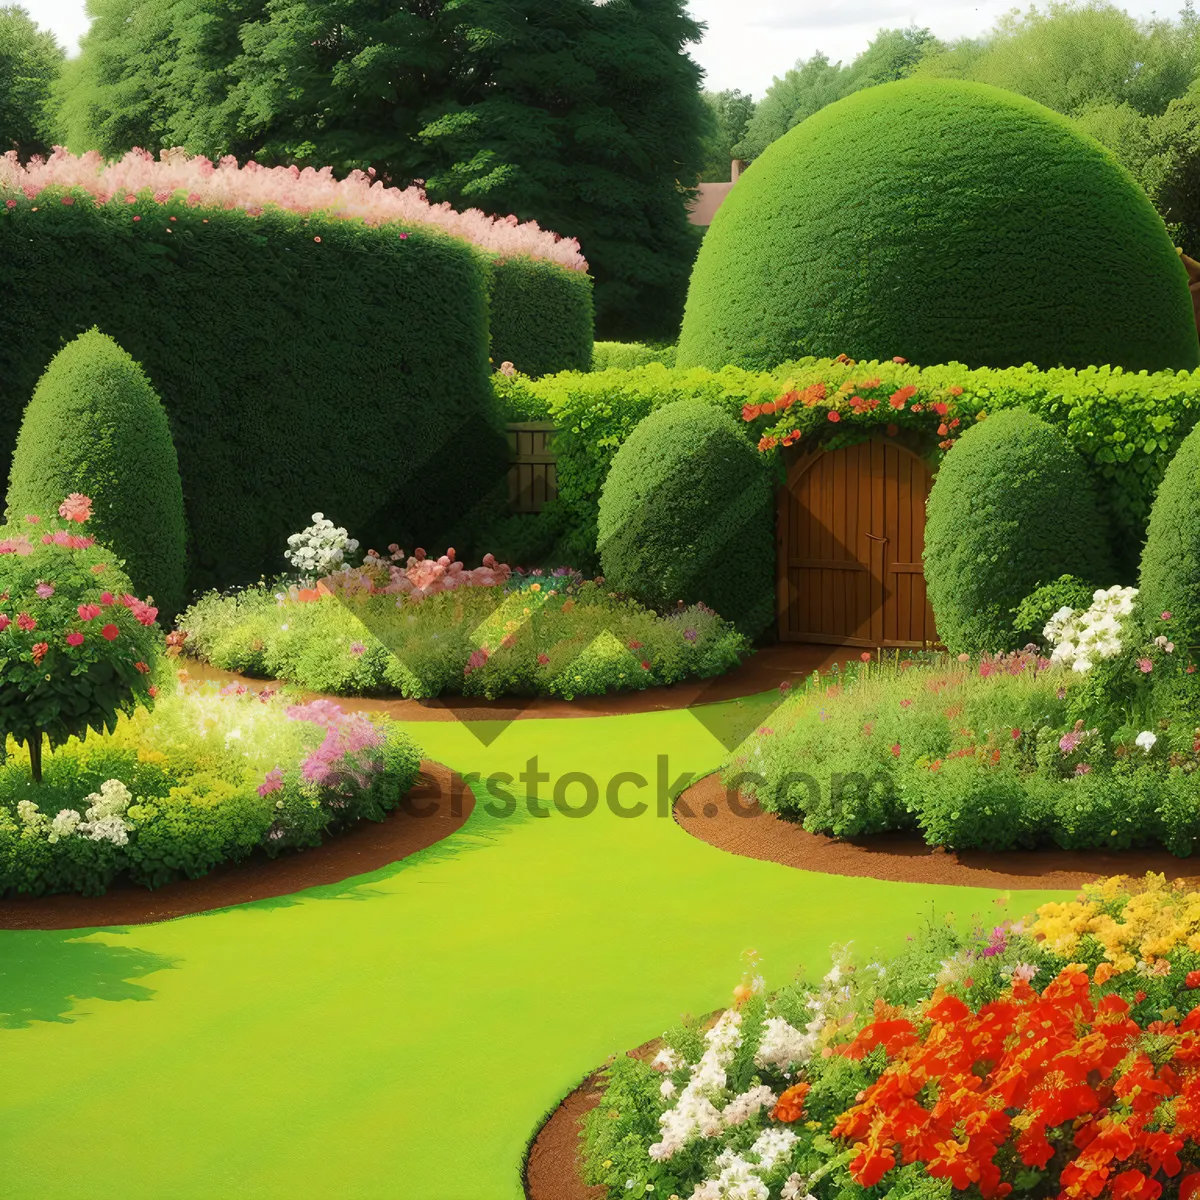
point(735, 824)
point(437, 805)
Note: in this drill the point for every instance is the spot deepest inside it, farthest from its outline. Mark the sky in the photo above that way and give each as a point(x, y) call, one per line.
point(748, 42)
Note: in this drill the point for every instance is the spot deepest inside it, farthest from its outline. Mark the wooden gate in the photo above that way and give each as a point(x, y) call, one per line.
point(532, 474)
point(851, 531)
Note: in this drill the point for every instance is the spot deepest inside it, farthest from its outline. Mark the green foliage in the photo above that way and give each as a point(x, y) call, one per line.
point(731, 110)
point(782, 273)
point(346, 375)
point(77, 647)
point(555, 636)
point(625, 355)
point(1010, 509)
point(539, 316)
point(685, 517)
point(30, 62)
point(579, 116)
point(96, 427)
point(188, 792)
point(1030, 616)
point(1170, 574)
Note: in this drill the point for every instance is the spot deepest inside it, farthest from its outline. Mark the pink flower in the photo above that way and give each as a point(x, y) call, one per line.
point(357, 648)
point(1166, 616)
point(1016, 734)
point(865, 656)
point(75, 638)
point(39, 651)
point(5, 621)
point(1069, 741)
point(76, 507)
point(44, 591)
point(99, 568)
point(1083, 768)
point(273, 782)
point(905, 703)
point(19, 545)
point(68, 199)
point(110, 632)
point(26, 623)
point(1145, 666)
point(10, 204)
point(32, 519)
point(106, 598)
point(88, 612)
point(896, 750)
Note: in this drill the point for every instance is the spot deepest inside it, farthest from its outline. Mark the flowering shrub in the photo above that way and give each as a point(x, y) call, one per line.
point(253, 187)
point(319, 548)
point(1080, 636)
point(990, 1062)
point(207, 777)
point(76, 646)
point(996, 753)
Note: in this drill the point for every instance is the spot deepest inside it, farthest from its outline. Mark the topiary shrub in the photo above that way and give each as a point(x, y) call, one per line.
point(540, 316)
point(1170, 574)
point(96, 426)
point(686, 513)
point(1010, 509)
point(942, 221)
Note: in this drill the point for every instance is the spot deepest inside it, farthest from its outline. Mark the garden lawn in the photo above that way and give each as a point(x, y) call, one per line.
point(401, 1034)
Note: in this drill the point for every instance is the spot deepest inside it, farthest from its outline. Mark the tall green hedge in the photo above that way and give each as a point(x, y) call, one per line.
point(306, 363)
point(686, 515)
point(1010, 509)
point(1170, 576)
point(541, 316)
point(1124, 425)
point(95, 426)
point(940, 220)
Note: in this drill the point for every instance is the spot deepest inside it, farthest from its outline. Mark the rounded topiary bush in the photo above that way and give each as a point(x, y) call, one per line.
point(1010, 509)
point(686, 513)
point(96, 426)
point(942, 221)
point(1170, 574)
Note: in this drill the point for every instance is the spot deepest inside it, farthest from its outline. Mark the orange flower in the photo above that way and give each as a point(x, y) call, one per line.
point(790, 1106)
point(1105, 971)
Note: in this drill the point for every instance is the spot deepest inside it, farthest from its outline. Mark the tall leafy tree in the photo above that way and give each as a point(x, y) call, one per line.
point(731, 112)
point(30, 61)
point(585, 117)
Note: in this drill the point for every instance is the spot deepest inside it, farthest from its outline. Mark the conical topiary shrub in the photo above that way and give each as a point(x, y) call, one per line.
point(96, 426)
point(1011, 509)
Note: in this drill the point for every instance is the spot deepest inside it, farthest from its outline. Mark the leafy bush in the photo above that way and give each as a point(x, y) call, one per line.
point(95, 426)
point(76, 646)
point(686, 517)
point(313, 360)
point(996, 755)
point(1009, 510)
point(1024, 1055)
point(1031, 616)
point(546, 635)
point(540, 316)
point(1170, 575)
point(625, 355)
point(802, 259)
point(206, 778)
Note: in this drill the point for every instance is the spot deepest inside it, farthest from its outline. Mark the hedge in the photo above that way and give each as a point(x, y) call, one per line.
point(306, 364)
point(541, 316)
point(940, 220)
point(1126, 426)
point(625, 355)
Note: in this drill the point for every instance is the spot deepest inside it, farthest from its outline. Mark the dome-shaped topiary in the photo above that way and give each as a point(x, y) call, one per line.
point(1170, 574)
point(1010, 509)
point(941, 221)
point(96, 426)
point(686, 514)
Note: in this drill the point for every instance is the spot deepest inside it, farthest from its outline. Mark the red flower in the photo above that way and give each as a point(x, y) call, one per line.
point(645, 664)
point(834, 415)
point(75, 638)
point(543, 659)
point(865, 656)
point(941, 408)
point(39, 651)
point(898, 359)
point(892, 430)
point(106, 598)
point(750, 411)
point(153, 691)
point(109, 632)
point(896, 750)
point(141, 666)
point(26, 623)
point(1192, 979)
point(88, 612)
point(943, 429)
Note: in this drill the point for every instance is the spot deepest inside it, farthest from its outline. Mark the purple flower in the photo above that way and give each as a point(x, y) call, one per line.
point(357, 648)
point(689, 635)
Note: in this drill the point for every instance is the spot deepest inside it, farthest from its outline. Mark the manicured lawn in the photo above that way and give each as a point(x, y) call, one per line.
point(400, 1034)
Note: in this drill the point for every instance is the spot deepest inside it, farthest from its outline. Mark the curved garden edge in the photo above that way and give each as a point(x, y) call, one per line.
point(765, 669)
point(437, 805)
point(738, 826)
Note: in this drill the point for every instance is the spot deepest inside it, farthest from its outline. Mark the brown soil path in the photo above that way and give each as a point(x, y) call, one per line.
point(737, 825)
point(438, 804)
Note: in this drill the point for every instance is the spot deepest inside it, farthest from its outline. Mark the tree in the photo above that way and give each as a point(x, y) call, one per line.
point(30, 60)
point(586, 118)
point(731, 111)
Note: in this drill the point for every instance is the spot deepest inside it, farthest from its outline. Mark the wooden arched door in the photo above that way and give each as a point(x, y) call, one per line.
point(851, 532)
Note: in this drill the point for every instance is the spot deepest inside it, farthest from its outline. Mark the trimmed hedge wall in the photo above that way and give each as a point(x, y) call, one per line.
point(941, 220)
point(1125, 426)
point(625, 355)
point(541, 316)
point(306, 364)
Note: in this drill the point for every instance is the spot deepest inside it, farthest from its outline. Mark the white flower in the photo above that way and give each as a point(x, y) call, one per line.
point(1146, 740)
point(106, 829)
point(31, 817)
point(320, 547)
point(793, 1187)
point(64, 824)
point(667, 1089)
point(111, 800)
point(782, 1045)
point(772, 1144)
point(667, 1060)
point(741, 1108)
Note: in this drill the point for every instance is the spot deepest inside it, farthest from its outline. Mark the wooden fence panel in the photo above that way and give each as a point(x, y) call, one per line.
point(532, 475)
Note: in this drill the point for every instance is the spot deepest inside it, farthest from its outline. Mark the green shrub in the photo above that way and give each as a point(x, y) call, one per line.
point(540, 316)
point(686, 516)
point(1030, 616)
point(624, 355)
point(307, 363)
point(1170, 575)
point(95, 426)
point(1010, 509)
point(943, 221)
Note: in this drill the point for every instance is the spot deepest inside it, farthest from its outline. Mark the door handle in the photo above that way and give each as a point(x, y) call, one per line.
point(876, 538)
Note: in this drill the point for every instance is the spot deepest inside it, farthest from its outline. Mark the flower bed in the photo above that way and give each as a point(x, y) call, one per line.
point(207, 777)
point(1057, 1055)
point(422, 627)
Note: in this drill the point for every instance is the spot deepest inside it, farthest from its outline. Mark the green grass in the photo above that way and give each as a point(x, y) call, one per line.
point(401, 1033)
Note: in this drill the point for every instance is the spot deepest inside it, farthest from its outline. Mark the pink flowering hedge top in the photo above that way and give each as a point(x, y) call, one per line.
point(76, 646)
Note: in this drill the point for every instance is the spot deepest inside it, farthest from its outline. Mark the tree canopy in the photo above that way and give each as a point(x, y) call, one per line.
point(731, 111)
point(30, 61)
